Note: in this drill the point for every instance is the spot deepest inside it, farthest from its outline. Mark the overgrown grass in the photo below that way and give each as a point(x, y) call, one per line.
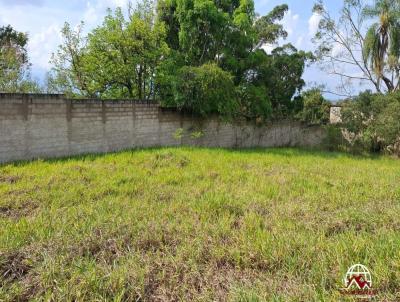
point(198, 225)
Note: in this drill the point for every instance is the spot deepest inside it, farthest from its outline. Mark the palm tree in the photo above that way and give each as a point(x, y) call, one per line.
point(382, 42)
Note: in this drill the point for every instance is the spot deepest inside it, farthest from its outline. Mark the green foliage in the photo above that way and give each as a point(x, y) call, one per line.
point(267, 30)
point(334, 139)
point(204, 30)
point(68, 74)
point(204, 90)
point(201, 56)
point(316, 109)
point(229, 35)
point(280, 75)
point(124, 54)
point(254, 102)
point(197, 134)
point(179, 133)
point(166, 75)
point(14, 63)
point(373, 121)
point(117, 60)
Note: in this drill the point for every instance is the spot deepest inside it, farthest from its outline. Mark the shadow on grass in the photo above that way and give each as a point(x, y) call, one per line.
point(299, 151)
point(281, 151)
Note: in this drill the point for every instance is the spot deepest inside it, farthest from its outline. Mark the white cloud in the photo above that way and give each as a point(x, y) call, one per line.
point(299, 42)
point(42, 44)
point(22, 2)
point(120, 3)
point(313, 24)
point(268, 48)
point(290, 22)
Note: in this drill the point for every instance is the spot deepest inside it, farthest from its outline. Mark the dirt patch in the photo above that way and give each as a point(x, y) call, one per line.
point(109, 248)
point(10, 179)
point(340, 227)
point(102, 247)
point(164, 195)
point(168, 159)
point(18, 211)
point(170, 282)
point(154, 243)
point(213, 175)
point(14, 266)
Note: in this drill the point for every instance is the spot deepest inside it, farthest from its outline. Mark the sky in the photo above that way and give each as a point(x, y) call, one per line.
point(43, 19)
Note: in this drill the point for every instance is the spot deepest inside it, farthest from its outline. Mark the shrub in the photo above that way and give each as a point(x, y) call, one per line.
point(373, 120)
point(254, 102)
point(315, 109)
point(334, 140)
point(205, 90)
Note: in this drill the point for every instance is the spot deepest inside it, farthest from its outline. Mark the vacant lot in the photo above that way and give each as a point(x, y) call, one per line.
point(198, 225)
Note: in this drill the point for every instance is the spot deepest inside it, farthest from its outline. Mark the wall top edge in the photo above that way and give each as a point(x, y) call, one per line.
point(31, 95)
point(62, 97)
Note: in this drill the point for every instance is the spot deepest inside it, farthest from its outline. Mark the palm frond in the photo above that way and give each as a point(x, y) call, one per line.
point(369, 41)
point(394, 47)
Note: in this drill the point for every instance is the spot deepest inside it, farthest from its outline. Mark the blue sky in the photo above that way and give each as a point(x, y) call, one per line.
point(43, 19)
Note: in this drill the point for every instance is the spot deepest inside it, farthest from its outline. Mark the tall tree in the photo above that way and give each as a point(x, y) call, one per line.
point(68, 74)
point(279, 76)
point(14, 63)
point(230, 35)
point(116, 60)
point(346, 48)
point(225, 32)
point(123, 54)
point(382, 41)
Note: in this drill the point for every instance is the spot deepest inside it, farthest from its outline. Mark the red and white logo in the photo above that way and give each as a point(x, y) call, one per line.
point(358, 282)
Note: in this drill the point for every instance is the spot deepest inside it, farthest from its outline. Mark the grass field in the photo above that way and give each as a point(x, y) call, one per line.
point(198, 225)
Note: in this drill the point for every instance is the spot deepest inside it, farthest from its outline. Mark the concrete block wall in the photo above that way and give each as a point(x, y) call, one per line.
point(44, 126)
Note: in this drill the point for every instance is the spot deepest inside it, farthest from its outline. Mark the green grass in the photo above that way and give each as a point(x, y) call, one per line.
point(198, 225)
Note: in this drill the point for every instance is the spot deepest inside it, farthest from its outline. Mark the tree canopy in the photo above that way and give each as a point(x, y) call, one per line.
point(204, 56)
point(14, 62)
point(116, 60)
point(229, 34)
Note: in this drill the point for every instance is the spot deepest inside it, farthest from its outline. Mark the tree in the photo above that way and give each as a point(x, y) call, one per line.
point(346, 50)
point(203, 56)
point(254, 103)
point(123, 54)
point(280, 75)
point(230, 35)
point(224, 32)
point(382, 41)
point(203, 30)
point(14, 63)
point(245, 47)
point(268, 31)
point(68, 74)
point(116, 60)
point(315, 109)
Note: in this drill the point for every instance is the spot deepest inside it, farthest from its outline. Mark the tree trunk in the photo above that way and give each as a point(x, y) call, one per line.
point(388, 83)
